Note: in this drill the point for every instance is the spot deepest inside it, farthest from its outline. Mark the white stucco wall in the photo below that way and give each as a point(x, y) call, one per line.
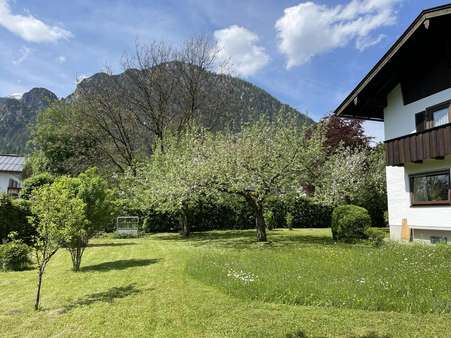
point(398, 192)
point(399, 119)
point(4, 180)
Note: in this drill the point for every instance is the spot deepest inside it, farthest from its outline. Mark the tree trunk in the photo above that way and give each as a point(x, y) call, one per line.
point(76, 254)
point(185, 228)
point(260, 225)
point(38, 292)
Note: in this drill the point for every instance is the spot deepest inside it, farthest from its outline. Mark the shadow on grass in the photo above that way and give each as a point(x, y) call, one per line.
point(301, 334)
point(119, 265)
point(107, 296)
point(110, 244)
point(239, 239)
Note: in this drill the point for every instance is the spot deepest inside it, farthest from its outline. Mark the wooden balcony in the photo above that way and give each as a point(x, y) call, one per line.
point(433, 143)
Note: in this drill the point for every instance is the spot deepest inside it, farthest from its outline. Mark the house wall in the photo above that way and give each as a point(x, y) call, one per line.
point(4, 180)
point(399, 119)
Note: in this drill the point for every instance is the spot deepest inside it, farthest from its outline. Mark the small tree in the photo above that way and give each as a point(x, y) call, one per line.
point(93, 191)
point(56, 214)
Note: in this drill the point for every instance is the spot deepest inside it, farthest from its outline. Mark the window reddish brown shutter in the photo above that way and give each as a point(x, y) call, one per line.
point(420, 121)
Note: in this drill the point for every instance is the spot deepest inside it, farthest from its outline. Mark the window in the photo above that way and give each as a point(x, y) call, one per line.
point(439, 239)
point(13, 187)
point(433, 116)
point(430, 188)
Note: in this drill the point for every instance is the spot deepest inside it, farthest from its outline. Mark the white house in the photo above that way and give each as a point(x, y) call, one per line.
point(409, 89)
point(11, 168)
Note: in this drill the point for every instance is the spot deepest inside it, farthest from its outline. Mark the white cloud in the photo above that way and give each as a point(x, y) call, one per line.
point(24, 53)
point(365, 42)
point(308, 29)
point(29, 28)
point(239, 47)
point(61, 59)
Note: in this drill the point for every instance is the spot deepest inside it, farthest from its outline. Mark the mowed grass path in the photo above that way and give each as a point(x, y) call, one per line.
point(152, 287)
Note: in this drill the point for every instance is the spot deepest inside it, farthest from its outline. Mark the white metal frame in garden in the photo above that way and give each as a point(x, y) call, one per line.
point(127, 225)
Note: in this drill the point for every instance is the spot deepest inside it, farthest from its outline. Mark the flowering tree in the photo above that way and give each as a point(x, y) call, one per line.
point(264, 159)
point(355, 175)
point(175, 177)
point(342, 176)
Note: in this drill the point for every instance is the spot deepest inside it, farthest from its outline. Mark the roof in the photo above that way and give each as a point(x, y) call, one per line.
point(11, 163)
point(362, 102)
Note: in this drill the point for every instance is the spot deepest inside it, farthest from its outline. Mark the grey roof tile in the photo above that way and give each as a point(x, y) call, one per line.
point(11, 163)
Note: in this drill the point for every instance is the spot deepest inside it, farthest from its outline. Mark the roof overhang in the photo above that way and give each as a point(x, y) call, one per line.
point(368, 100)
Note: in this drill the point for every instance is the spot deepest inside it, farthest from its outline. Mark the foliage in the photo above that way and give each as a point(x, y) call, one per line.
point(92, 190)
point(343, 177)
point(268, 216)
point(289, 220)
point(60, 145)
point(357, 176)
point(376, 236)
point(14, 255)
point(58, 217)
point(342, 132)
point(35, 182)
point(350, 222)
point(305, 268)
point(13, 218)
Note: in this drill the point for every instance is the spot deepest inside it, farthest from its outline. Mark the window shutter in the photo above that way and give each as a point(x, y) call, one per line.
point(420, 121)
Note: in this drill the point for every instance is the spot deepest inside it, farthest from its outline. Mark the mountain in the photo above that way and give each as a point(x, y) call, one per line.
point(240, 102)
point(245, 102)
point(17, 114)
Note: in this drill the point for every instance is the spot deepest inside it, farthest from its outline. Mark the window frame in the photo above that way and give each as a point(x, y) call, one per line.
point(427, 116)
point(414, 203)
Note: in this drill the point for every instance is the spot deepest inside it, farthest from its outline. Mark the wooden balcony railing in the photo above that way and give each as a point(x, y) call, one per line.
point(433, 143)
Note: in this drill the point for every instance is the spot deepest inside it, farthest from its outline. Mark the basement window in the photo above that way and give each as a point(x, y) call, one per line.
point(439, 240)
point(430, 188)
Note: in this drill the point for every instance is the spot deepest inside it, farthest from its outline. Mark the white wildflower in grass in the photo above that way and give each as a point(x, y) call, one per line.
point(243, 276)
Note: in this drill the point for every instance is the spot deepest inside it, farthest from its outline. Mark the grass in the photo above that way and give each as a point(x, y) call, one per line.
point(163, 286)
point(414, 279)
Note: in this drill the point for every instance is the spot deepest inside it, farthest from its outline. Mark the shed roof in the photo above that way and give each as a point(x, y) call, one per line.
point(11, 163)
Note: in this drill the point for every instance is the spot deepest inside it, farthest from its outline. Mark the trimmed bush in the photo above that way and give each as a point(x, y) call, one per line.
point(305, 212)
point(14, 255)
point(376, 236)
point(350, 222)
point(13, 218)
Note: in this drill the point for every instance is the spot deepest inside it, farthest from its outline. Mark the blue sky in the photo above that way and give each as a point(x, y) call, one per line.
point(307, 54)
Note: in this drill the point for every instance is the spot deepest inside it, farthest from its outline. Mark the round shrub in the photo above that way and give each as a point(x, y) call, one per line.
point(376, 236)
point(14, 255)
point(350, 222)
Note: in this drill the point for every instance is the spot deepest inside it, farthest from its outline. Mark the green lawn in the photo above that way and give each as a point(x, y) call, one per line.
point(222, 284)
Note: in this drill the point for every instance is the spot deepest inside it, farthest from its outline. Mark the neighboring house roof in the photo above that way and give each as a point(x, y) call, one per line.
point(367, 100)
point(11, 163)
